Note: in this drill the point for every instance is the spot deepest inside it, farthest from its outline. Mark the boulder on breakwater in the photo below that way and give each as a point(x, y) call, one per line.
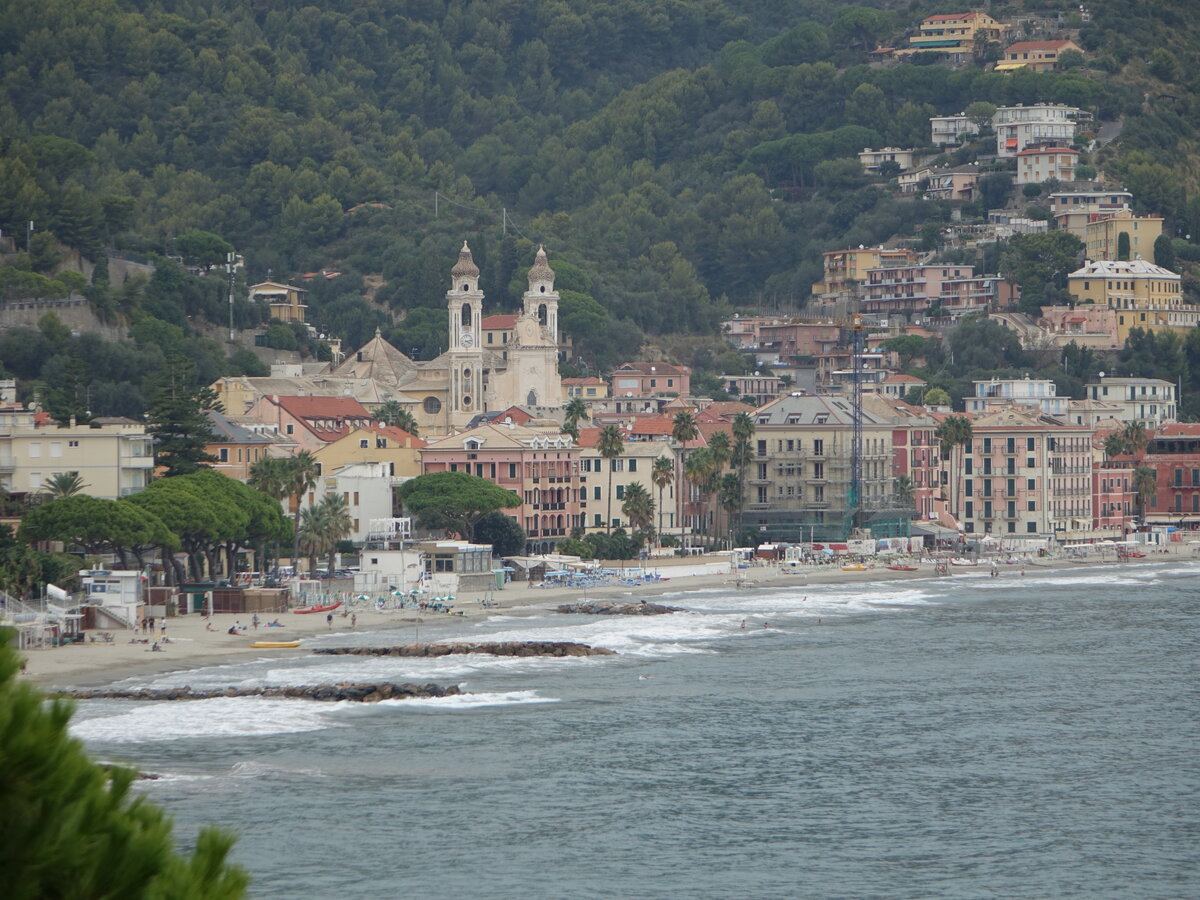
point(358, 692)
point(489, 648)
point(617, 608)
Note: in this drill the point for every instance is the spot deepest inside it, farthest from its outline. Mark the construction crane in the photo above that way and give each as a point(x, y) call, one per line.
point(854, 499)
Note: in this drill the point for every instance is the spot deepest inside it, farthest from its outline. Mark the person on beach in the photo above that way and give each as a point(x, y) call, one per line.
point(353, 621)
point(162, 628)
point(329, 620)
point(208, 626)
point(232, 630)
point(156, 648)
point(254, 621)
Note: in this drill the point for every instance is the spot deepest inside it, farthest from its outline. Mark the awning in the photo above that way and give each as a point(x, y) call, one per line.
point(1009, 66)
point(932, 529)
point(1010, 143)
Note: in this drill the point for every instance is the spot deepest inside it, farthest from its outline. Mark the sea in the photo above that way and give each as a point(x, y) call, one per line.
point(1018, 736)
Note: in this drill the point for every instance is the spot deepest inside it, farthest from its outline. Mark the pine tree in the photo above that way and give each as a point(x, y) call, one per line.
point(178, 422)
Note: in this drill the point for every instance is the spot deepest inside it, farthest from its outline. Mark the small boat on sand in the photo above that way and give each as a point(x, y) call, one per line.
point(854, 567)
point(899, 568)
point(964, 563)
point(328, 607)
point(275, 645)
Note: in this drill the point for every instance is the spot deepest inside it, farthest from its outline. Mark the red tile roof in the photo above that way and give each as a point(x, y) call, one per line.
point(328, 418)
point(1024, 46)
point(399, 435)
point(499, 322)
point(653, 368)
point(1178, 429)
point(904, 379)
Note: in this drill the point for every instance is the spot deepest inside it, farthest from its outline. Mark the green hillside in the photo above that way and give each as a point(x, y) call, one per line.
point(679, 160)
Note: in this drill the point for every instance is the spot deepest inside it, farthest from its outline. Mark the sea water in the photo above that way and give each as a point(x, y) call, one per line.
point(1020, 736)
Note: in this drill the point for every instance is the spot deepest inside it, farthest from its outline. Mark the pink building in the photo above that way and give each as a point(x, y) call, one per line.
point(908, 288)
point(967, 296)
point(1037, 165)
point(650, 379)
point(312, 422)
point(541, 467)
point(1114, 502)
point(1024, 473)
point(953, 184)
point(1088, 325)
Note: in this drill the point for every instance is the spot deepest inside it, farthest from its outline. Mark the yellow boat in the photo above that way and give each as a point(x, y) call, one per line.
point(854, 567)
point(275, 645)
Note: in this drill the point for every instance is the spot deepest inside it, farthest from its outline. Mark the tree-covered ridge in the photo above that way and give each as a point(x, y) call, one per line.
point(678, 159)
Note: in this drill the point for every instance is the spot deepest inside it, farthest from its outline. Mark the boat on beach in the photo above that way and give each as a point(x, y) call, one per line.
point(854, 567)
point(964, 563)
point(899, 568)
point(328, 607)
point(275, 645)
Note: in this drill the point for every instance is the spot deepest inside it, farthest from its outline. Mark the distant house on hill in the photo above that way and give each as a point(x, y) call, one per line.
point(1037, 56)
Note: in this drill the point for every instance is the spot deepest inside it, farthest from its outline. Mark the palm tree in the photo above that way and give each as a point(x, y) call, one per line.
point(63, 484)
point(309, 537)
point(902, 487)
point(610, 446)
point(1145, 483)
point(662, 474)
point(683, 430)
point(1136, 438)
point(743, 452)
point(954, 431)
point(576, 411)
point(271, 476)
point(729, 497)
point(336, 524)
point(301, 478)
point(639, 509)
point(394, 414)
point(721, 449)
point(1115, 445)
point(701, 470)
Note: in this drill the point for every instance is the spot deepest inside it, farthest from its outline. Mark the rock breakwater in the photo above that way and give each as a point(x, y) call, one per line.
point(489, 648)
point(356, 692)
point(617, 608)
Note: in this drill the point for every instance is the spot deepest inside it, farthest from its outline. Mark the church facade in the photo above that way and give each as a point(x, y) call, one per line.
point(447, 393)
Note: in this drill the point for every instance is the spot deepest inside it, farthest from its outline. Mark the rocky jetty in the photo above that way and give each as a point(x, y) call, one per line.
point(490, 648)
point(357, 692)
point(617, 608)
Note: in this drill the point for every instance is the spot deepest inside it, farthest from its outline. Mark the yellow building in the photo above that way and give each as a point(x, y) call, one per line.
point(585, 389)
point(376, 443)
point(635, 465)
point(1142, 294)
point(284, 300)
point(1103, 237)
point(1037, 56)
point(844, 266)
point(956, 33)
point(113, 456)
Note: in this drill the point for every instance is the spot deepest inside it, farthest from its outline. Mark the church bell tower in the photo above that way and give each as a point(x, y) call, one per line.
point(464, 302)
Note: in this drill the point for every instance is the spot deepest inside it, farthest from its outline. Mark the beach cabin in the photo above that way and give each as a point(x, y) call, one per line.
point(116, 593)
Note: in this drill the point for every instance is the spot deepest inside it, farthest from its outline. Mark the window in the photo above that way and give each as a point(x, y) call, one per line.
point(596, 492)
point(1031, 506)
point(818, 448)
point(363, 443)
point(512, 470)
point(633, 465)
point(289, 428)
point(1031, 484)
point(969, 486)
point(432, 406)
point(818, 470)
point(56, 449)
point(35, 450)
point(224, 454)
point(620, 492)
point(72, 443)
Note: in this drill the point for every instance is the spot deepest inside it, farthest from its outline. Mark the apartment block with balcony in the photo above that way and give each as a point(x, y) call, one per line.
point(1143, 295)
point(1073, 211)
point(113, 456)
point(650, 379)
point(957, 34)
point(1150, 401)
point(1038, 125)
point(541, 467)
point(845, 269)
point(914, 288)
point(872, 159)
point(601, 478)
point(950, 131)
point(1173, 453)
point(1024, 473)
point(798, 483)
point(970, 296)
point(1038, 164)
point(1039, 393)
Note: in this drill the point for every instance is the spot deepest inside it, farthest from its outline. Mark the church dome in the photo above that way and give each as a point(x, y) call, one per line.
point(465, 267)
point(541, 270)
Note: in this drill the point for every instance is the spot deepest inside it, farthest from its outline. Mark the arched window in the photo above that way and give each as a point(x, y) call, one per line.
point(532, 398)
point(542, 289)
point(543, 315)
point(466, 314)
point(432, 406)
point(466, 287)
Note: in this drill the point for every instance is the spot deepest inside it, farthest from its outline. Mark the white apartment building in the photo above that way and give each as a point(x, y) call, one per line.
point(1020, 127)
point(950, 131)
point(995, 393)
point(1150, 401)
point(1037, 165)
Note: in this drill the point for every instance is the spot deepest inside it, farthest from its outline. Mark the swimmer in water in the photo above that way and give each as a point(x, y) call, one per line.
point(743, 623)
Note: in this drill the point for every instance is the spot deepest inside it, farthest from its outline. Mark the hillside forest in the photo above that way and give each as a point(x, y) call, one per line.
point(681, 161)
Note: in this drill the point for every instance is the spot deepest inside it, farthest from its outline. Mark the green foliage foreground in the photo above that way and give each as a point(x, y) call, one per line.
point(72, 829)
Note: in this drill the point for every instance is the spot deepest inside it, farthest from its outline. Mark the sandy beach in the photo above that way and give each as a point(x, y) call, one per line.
point(198, 641)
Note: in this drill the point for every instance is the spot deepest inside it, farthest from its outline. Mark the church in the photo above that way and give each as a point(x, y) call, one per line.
point(448, 393)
